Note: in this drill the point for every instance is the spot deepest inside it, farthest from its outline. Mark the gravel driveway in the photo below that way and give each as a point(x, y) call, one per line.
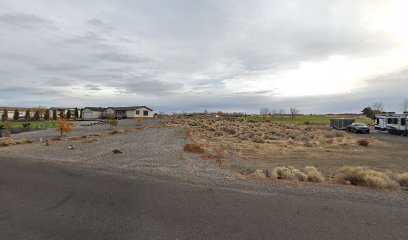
point(80, 129)
point(149, 150)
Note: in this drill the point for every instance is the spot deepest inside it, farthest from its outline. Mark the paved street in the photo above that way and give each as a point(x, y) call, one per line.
point(40, 201)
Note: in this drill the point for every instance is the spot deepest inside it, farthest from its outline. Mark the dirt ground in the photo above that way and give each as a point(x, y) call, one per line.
point(242, 145)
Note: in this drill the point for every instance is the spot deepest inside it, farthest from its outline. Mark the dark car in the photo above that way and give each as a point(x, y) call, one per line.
point(358, 128)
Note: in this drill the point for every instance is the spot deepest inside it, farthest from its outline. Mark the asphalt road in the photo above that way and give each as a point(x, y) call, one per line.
point(39, 201)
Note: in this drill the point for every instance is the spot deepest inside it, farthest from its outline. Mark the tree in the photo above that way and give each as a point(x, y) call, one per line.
point(404, 105)
point(61, 114)
point(69, 114)
point(281, 111)
point(16, 114)
point(80, 113)
point(293, 111)
point(37, 115)
point(63, 126)
point(47, 115)
point(378, 107)
point(76, 113)
point(4, 116)
point(27, 115)
point(54, 114)
point(369, 112)
point(264, 111)
point(112, 121)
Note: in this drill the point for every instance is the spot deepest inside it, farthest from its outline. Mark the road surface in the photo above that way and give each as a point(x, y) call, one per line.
point(40, 201)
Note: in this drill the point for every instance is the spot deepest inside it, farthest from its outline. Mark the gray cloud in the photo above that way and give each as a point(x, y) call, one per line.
point(186, 55)
point(23, 19)
point(121, 57)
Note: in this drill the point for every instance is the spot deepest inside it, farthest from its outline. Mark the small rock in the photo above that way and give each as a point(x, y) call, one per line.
point(116, 151)
point(71, 147)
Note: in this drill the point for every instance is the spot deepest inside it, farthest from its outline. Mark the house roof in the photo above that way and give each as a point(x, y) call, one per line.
point(21, 109)
point(129, 108)
point(96, 109)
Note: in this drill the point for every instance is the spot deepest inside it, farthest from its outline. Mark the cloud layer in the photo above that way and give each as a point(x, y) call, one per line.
point(321, 56)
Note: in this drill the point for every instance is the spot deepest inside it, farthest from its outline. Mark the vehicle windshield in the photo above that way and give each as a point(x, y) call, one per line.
point(360, 125)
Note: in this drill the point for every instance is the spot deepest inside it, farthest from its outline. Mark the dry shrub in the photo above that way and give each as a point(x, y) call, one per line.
point(118, 131)
point(9, 142)
point(365, 176)
point(363, 142)
point(139, 120)
point(402, 178)
point(289, 173)
point(193, 148)
point(313, 175)
point(63, 126)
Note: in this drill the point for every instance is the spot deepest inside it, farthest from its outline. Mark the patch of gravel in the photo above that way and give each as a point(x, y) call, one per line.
point(80, 129)
point(153, 149)
point(157, 152)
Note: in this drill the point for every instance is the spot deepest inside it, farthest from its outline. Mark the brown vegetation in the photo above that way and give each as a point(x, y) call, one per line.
point(193, 149)
point(363, 142)
point(63, 126)
point(365, 176)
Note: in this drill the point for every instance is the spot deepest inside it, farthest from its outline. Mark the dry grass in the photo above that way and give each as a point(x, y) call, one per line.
point(288, 173)
point(364, 176)
point(363, 142)
point(313, 175)
point(193, 148)
point(9, 142)
point(401, 179)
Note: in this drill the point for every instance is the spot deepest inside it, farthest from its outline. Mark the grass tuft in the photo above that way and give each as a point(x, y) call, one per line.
point(363, 142)
point(364, 176)
point(193, 148)
point(313, 175)
point(289, 173)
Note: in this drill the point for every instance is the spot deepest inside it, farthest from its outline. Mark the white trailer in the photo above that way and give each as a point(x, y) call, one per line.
point(393, 123)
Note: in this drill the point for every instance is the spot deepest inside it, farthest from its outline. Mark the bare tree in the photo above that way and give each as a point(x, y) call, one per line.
point(293, 111)
point(272, 111)
point(281, 111)
point(264, 111)
point(404, 105)
point(378, 107)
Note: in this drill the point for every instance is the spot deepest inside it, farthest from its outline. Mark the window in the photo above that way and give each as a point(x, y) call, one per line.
point(389, 120)
point(403, 121)
point(137, 112)
point(395, 120)
point(377, 121)
point(145, 113)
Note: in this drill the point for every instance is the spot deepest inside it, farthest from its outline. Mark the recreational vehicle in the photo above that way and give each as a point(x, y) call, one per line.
point(393, 123)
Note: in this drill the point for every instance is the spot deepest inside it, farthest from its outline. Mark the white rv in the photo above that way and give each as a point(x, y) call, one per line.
point(393, 123)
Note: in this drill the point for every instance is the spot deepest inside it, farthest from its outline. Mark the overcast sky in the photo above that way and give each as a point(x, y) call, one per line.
point(182, 55)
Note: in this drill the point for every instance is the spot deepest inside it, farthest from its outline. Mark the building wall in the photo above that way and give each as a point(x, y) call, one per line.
point(150, 113)
point(109, 112)
point(95, 114)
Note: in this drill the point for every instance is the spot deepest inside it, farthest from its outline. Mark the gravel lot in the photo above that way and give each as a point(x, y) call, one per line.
point(80, 129)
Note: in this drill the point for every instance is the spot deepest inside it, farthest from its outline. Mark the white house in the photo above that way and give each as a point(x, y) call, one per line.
point(89, 113)
point(117, 112)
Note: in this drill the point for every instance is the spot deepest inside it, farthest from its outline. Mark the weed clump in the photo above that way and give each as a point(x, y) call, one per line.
point(313, 175)
point(193, 148)
point(365, 176)
point(289, 173)
point(363, 142)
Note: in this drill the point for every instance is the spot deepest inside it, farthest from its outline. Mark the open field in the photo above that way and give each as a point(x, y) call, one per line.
point(246, 146)
point(321, 119)
point(222, 148)
point(35, 125)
